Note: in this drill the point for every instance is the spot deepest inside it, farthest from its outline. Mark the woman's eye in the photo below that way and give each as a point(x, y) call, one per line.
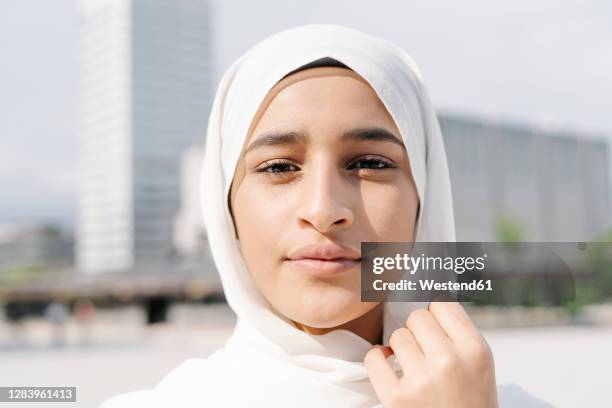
point(367, 163)
point(372, 164)
point(277, 167)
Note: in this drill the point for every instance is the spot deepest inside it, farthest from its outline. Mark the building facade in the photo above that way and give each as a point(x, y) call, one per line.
point(548, 185)
point(145, 69)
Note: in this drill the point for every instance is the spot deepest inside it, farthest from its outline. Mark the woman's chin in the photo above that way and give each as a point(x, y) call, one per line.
point(326, 310)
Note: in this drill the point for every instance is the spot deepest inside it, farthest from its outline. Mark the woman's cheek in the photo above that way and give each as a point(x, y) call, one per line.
point(389, 213)
point(257, 218)
point(260, 207)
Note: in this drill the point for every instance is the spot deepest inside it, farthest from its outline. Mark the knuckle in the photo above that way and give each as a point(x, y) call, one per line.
point(480, 349)
point(479, 353)
point(447, 363)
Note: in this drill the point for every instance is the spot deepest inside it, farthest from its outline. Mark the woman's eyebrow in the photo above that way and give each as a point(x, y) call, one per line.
point(272, 139)
point(371, 134)
point(352, 135)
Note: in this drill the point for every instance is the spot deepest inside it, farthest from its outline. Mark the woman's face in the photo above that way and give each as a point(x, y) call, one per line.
point(328, 175)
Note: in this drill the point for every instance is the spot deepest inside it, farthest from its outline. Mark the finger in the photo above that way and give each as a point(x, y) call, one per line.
point(454, 320)
point(407, 350)
point(432, 339)
point(383, 378)
point(387, 351)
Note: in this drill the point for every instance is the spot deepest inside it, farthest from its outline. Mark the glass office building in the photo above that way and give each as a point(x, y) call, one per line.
point(145, 68)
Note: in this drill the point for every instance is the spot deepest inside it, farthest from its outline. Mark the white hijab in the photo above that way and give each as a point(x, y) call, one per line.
point(267, 361)
point(308, 368)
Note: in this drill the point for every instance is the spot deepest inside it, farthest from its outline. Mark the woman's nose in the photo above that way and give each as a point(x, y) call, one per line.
point(325, 199)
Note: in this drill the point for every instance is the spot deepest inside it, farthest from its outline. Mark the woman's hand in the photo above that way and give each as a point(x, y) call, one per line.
point(444, 359)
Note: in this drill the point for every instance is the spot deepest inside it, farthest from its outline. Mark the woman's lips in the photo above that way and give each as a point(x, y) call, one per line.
point(323, 267)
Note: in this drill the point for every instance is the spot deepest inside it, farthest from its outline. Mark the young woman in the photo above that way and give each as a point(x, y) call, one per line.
point(322, 137)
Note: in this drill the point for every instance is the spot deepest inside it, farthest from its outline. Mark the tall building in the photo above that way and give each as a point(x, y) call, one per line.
point(189, 232)
point(145, 72)
point(546, 185)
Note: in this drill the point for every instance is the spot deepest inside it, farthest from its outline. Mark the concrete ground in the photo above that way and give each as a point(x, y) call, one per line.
point(568, 366)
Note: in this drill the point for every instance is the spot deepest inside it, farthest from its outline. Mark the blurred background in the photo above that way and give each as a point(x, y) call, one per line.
point(106, 279)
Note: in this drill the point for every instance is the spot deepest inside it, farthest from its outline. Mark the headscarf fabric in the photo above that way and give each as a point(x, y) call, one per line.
point(272, 355)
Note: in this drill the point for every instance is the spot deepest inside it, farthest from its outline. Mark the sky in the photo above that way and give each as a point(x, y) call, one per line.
point(546, 63)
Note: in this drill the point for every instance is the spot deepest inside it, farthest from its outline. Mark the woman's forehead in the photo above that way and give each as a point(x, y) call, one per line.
point(337, 74)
